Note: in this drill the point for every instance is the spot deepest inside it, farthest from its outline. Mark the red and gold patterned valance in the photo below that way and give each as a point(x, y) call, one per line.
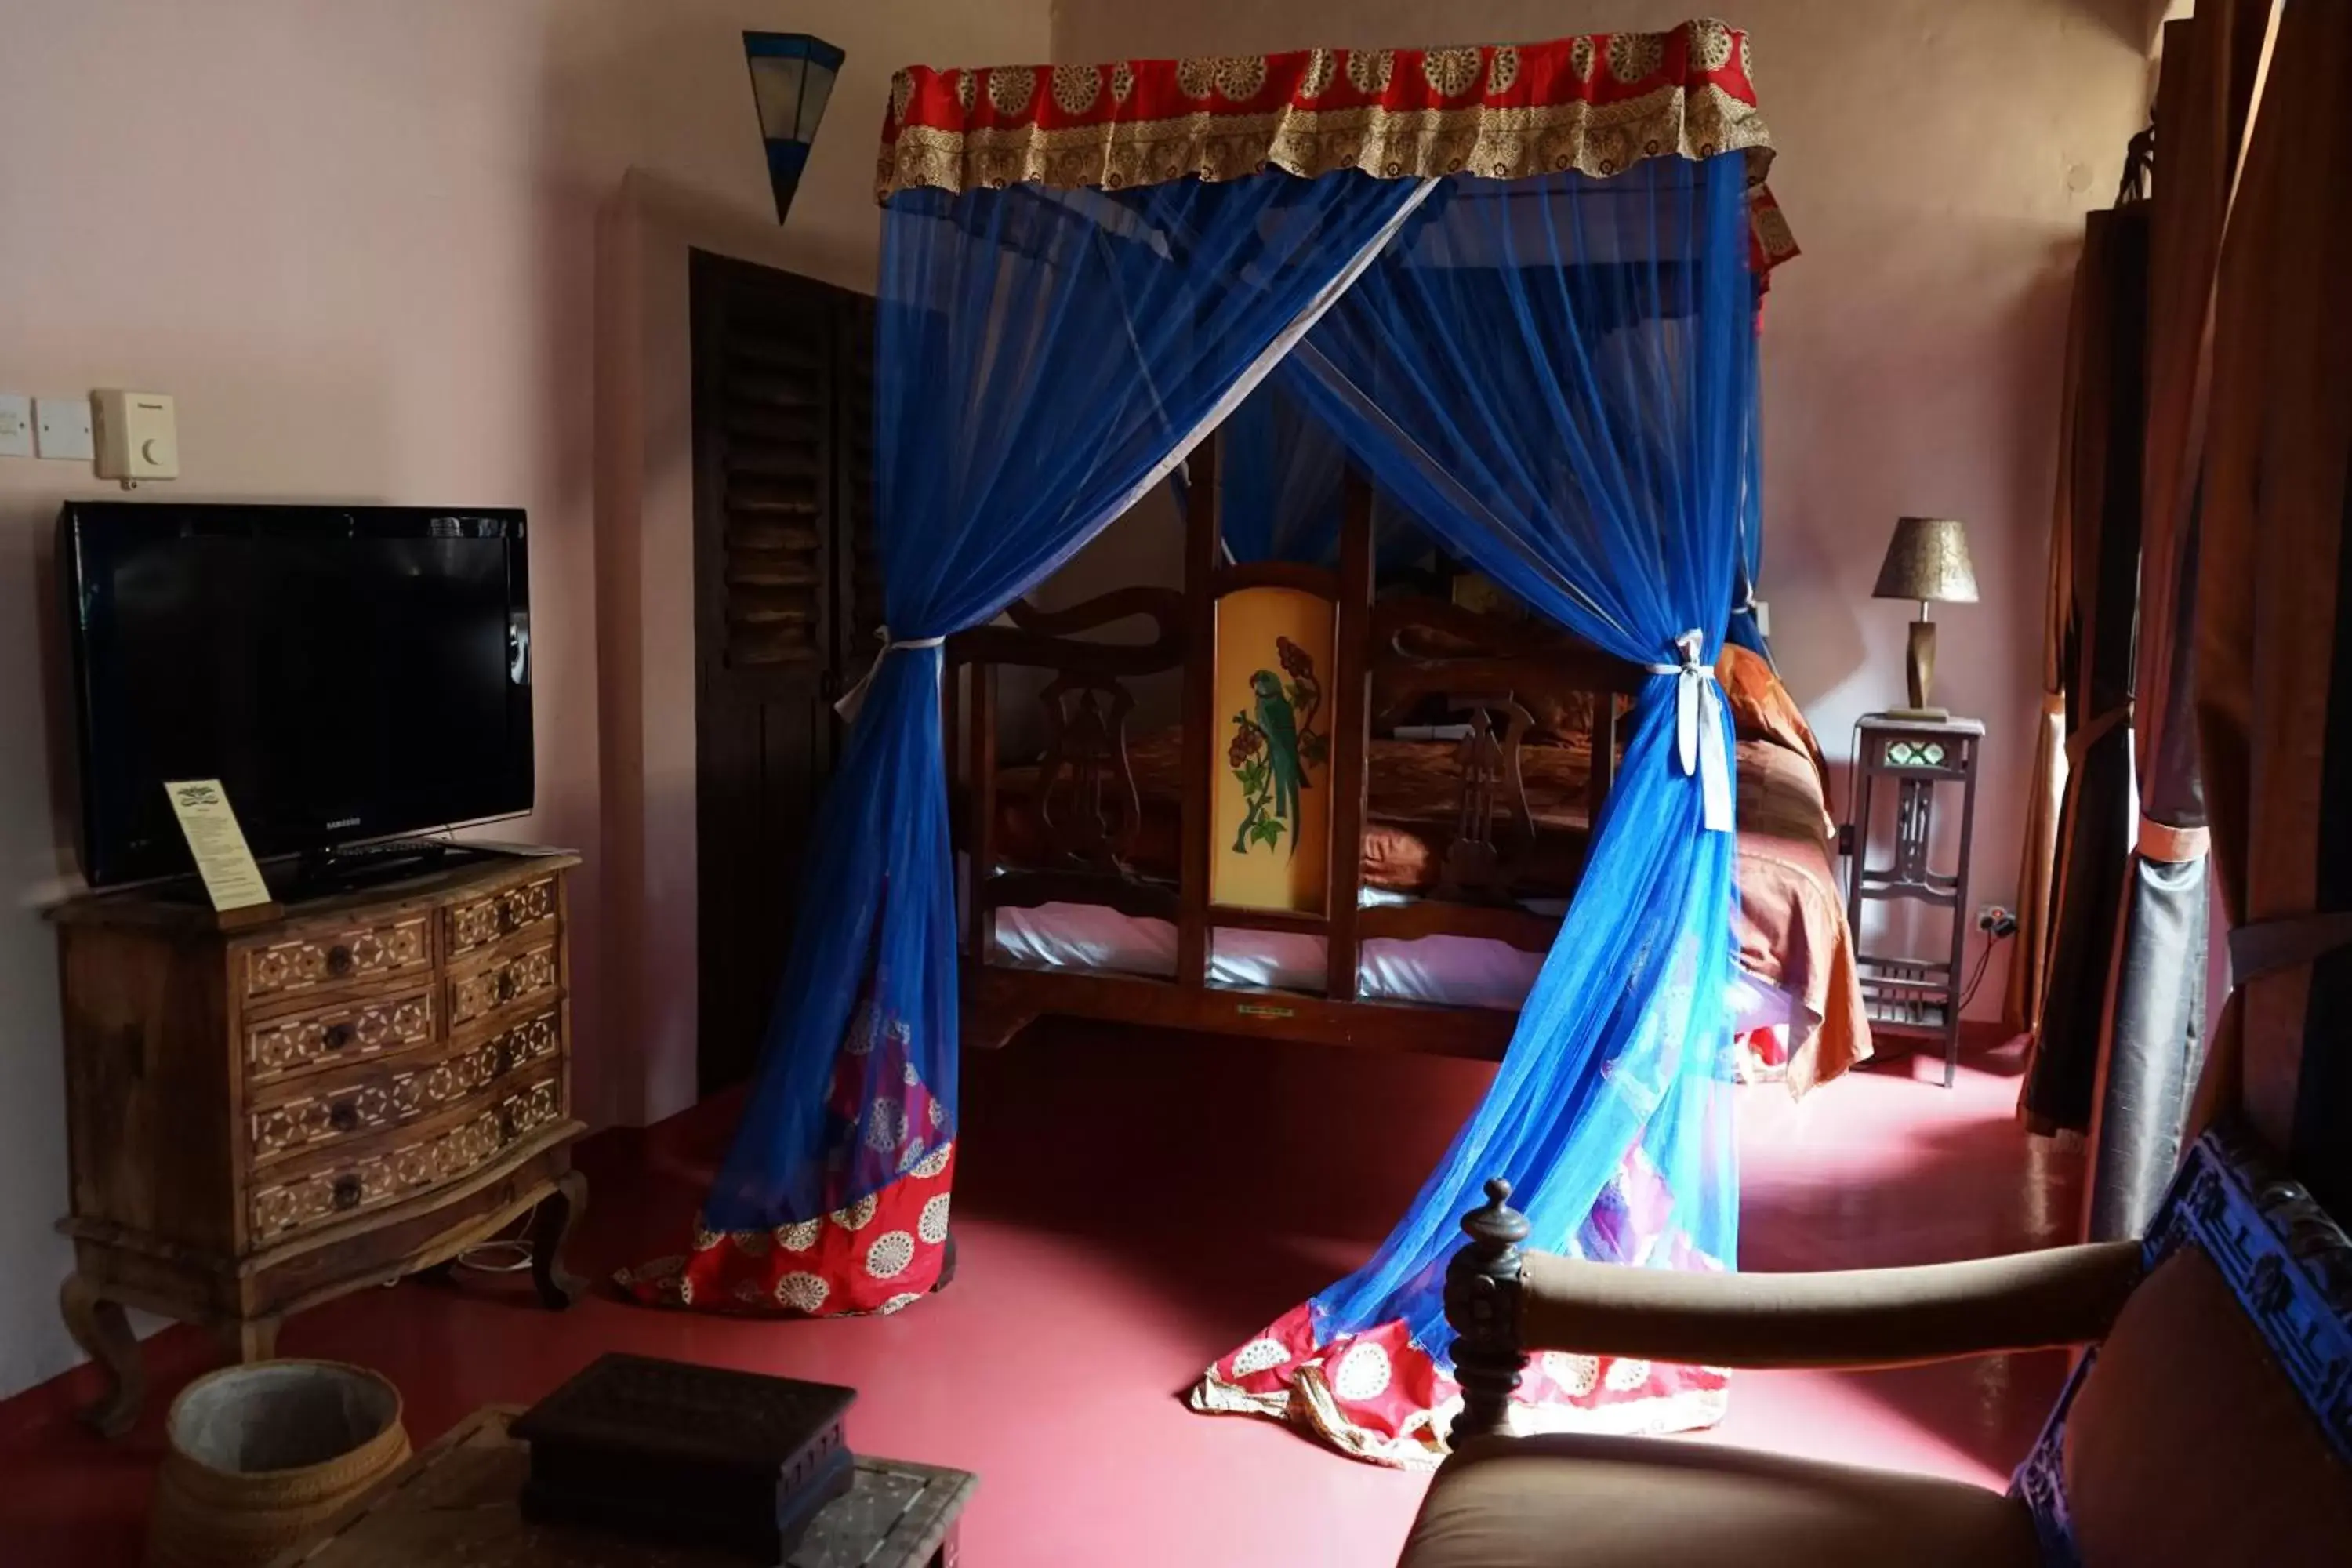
point(1596, 104)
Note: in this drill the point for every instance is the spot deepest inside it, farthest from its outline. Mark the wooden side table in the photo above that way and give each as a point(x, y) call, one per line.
point(1905, 993)
point(457, 1502)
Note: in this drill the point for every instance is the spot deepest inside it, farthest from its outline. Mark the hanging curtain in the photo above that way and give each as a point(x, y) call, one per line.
point(1042, 357)
point(1282, 480)
point(1557, 374)
point(2156, 1003)
point(2037, 871)
point(1747, 565)
point(2273, 655)
point(2102, 512)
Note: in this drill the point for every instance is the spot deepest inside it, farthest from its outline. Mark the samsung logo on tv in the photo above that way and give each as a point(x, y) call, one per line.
point(343, 822)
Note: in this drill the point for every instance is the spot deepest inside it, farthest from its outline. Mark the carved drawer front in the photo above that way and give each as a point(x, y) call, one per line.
point(527, 1111)
point(478, 923)
point(340, 1106)
point(537, 1038)
point(338, 958)
point(531, 972)
point(366, 1181)
point(356, 1031)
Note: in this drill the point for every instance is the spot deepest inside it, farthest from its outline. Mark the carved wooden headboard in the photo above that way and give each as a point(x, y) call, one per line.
point(1493, 676)
point(1086, 801)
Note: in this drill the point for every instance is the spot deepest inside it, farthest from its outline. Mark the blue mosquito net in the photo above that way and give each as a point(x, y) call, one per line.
point(1282, 480)
point(1747, 564)
point(1557, 377)
point(1042, 357)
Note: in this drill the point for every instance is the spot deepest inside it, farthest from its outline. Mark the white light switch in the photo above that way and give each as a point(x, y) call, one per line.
point(63, 426)
point(16, 424)
point(137, 436)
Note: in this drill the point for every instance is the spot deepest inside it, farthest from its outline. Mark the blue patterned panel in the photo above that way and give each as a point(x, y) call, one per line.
point(2288, 1263)
point(2290, 1267)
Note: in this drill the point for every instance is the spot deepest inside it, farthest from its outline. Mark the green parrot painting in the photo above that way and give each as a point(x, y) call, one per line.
point(1276, 748)
point(1275, 717)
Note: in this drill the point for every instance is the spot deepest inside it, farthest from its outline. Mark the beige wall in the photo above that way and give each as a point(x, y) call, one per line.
point(1935, 158)
point(357, 241)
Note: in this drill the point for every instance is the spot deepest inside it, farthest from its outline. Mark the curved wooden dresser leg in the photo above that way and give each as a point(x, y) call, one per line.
point(551, 1230)
point(101, 1328)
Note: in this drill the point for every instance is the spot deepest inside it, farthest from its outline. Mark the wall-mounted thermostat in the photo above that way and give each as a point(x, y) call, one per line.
point(137, 437)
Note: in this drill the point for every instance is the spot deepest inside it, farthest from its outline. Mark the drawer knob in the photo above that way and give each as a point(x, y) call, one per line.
point(508, 916)
point(347, 1192)
point(339, 959)
point(342, 1116)
point(337, 1036)
point(505, 985)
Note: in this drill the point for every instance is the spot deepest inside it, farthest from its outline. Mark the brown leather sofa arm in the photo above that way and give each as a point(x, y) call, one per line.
point(1858, 1318)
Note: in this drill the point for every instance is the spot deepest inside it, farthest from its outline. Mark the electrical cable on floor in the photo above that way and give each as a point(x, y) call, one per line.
point(515, 1253)
point(1994, 936)
point(496, 1254)
point(508, 1254)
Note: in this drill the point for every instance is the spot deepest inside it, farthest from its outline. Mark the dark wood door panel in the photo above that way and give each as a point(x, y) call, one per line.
point(785, 587)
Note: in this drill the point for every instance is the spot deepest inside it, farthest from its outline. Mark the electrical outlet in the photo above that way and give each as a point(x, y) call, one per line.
point(1992, 917)
point(16, 424)
point(62, 427)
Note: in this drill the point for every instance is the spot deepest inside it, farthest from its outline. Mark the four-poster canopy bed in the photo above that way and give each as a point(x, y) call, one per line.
point(1089, 860)
point(1516, 284)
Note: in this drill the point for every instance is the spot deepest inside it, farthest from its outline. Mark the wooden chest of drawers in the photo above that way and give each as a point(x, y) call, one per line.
point(263, 1119)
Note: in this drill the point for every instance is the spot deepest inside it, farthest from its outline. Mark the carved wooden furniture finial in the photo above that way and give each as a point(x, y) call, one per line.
point(1482, 1302)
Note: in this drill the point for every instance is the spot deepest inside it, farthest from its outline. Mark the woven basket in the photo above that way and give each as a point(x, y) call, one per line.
point(262, 1456)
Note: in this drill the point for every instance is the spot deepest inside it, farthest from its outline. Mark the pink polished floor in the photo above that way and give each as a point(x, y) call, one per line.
point(1131, 1205)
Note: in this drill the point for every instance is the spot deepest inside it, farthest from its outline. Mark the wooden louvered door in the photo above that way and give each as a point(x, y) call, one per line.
point(782, 501)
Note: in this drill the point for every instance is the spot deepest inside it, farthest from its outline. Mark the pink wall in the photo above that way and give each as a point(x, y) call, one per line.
point(358, 243)
point(1936, 160)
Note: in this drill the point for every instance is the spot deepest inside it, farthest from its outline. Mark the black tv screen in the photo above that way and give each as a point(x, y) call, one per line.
point(347, 673)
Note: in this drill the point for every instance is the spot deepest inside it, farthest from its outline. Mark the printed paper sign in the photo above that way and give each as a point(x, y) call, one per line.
point(222, 859)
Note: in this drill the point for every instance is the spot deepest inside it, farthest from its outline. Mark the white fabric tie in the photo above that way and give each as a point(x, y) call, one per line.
point(1698, 728)
point(854, 697)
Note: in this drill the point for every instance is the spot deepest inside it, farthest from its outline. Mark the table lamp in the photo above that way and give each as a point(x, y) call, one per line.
point(1927, 560)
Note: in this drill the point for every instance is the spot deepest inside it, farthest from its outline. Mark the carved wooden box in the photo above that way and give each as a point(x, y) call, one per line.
point(696, 1455)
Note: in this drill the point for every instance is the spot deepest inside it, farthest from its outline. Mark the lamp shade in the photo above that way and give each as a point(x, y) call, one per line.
point(792, 77)
point(1927, 558)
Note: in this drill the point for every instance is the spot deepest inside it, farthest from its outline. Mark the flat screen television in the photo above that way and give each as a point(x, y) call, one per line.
point(349, 673)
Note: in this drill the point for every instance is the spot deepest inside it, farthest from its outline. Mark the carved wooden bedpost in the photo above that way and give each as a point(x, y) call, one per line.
point(1482, 1302)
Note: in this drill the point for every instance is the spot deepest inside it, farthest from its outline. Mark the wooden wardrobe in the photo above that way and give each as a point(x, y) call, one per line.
point(788, 601)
